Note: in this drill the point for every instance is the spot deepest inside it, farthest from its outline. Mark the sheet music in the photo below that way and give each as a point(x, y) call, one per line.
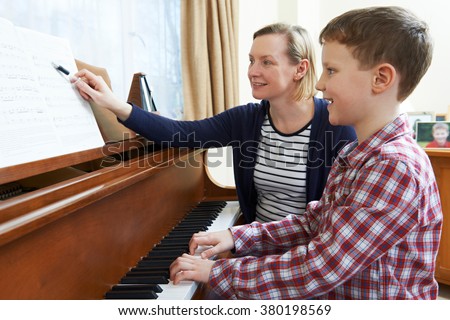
point(41, 114)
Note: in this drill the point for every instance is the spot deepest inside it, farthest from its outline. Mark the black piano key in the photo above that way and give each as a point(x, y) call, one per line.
point(187, 225)
point(166, 257)
point(160, 247)
point(179, 234)
point(150, 263)
point(144, 280)
point(174, 244)
point(199, 220)
point(131, 294)
point(171, 246)
point(194, 224)
point(149, 269)
point(146, 264)
point(161, 261)
point(156, 258)
point(185, 237)
point(190, 229)
point(163, 272)
point(219, 204)
point(203, 211)
point(200, 216)
point(148, 272)
point(206, 209)
point(198, 212)
point(153, 269)
point(181, 242)
point(164, 251)
point(149, 287)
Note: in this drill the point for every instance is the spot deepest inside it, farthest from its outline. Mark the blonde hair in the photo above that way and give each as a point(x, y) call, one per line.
point(440, 125)
point(299, 47)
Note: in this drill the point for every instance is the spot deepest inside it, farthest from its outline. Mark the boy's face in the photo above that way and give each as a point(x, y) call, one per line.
point(346, 86)
point(440, 135)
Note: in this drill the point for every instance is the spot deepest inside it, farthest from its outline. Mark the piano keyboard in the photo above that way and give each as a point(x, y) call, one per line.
point(149, 279)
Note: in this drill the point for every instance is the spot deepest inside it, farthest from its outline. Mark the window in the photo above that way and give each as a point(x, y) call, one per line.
point(123, 36)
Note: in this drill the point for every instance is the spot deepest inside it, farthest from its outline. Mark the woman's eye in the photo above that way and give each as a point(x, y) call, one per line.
point(267, 62)
point(330, 71)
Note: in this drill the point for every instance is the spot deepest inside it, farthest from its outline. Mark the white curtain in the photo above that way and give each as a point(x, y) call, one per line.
point(123, 36)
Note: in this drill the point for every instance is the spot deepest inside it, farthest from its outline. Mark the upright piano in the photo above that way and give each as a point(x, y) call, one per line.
point(76, 223)
point(77, 228)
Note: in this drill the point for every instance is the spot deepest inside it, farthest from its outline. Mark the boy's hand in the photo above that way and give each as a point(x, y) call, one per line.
point(189, 267)
point(221, 241)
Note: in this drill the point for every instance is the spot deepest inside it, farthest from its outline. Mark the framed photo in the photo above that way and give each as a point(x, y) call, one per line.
point(414, 117)
point(441, 117)
point(433, 134)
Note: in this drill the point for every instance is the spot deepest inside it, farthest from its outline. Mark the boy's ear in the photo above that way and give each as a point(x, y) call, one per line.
point(384, 77)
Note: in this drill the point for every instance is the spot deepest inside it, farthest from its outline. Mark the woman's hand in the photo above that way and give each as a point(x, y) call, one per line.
point(221, 241)
point(94, 88)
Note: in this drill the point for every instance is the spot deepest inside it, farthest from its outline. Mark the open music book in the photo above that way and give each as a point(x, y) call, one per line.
point(41, 113)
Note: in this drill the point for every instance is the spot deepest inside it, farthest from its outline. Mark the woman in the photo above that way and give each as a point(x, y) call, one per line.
point(283, 147)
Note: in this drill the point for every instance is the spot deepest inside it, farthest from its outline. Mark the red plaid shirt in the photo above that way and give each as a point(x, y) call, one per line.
point(374, 234)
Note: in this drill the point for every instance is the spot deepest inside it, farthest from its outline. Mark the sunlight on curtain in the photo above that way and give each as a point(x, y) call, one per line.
point(123, 36)
point(209, 57)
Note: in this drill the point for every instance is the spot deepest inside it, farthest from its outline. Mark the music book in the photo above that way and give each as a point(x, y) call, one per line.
point(42, 114)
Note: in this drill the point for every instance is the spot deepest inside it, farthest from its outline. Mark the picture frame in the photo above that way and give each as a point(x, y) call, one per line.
point(441, 117)
point(414, 117)
point(433, 134)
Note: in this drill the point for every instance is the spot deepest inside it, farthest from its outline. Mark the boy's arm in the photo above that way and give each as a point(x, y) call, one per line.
point(380, 211)
point(276, 237)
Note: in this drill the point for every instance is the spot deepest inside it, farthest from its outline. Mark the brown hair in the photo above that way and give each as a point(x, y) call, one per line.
point(299, 47)
point(385, 34)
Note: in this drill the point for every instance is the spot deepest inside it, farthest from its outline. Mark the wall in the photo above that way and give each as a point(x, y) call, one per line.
point(253, 14)
point(430, 95)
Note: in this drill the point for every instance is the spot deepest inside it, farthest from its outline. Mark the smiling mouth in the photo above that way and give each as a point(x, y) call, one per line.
point(330, 101)
point(258, 84)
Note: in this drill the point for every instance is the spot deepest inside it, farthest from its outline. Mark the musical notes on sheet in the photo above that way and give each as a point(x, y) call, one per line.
point(40, 110)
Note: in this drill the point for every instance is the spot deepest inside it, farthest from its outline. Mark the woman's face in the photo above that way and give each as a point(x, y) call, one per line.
point(271, 74)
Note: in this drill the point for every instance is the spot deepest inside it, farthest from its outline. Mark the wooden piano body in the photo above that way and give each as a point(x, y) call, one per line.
point(75, 238)
point(92, 215)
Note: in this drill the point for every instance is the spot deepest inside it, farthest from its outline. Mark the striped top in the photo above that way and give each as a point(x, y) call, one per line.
point(280, 172)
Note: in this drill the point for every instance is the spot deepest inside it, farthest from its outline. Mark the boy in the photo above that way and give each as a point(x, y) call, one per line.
point(440, 134)
point(375, 232)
